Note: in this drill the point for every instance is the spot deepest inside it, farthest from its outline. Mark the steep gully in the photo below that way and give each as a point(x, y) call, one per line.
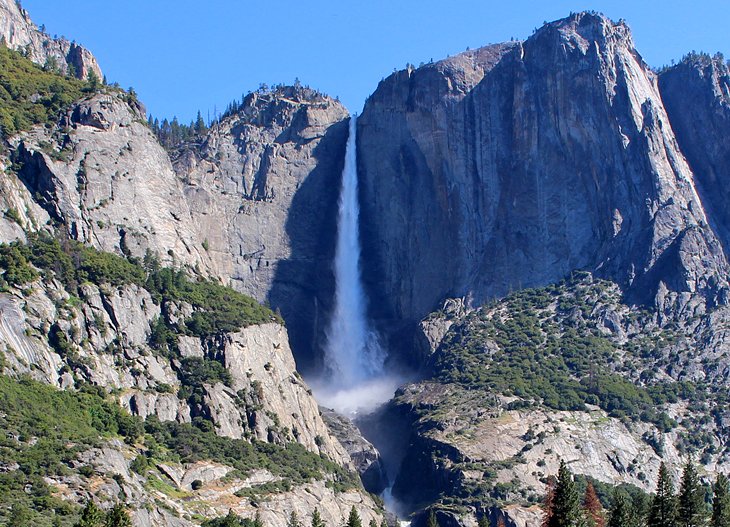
point(355, 382)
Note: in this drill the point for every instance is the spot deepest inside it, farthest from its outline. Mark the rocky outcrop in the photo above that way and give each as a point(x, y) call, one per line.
point(19, 32)
point(364, 455)
point(107, 335)
point(511, 166)
point(262, 187)
point(164, 494)
point(102, 177)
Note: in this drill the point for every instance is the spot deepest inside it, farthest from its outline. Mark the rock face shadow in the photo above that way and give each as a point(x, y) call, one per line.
point(303, 285)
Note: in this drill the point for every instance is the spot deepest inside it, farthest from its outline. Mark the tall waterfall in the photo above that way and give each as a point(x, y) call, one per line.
point(353, 354)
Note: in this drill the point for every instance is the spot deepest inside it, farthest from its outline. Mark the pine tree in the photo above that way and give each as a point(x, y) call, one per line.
point(317, 519)
point(622, 511)
point(721, 502)
point(91, 516)
point(663, 511)
point(692, 510)
point(432, 521)
point(118, 517)
point(384, 523)
point(566, 506)
point(293, 520)
point(200, 124)
point(373, 523)
point(354, 519)
point(593, 508)
point(483, 521)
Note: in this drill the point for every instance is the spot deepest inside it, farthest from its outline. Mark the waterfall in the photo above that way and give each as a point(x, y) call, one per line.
point(353, 354)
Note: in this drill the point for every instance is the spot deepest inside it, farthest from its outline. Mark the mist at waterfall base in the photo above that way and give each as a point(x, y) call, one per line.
point(354, 381)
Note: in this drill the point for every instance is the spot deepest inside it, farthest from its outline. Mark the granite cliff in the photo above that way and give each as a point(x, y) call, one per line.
point(523, 162)
point(500, 169)
point(18, 31)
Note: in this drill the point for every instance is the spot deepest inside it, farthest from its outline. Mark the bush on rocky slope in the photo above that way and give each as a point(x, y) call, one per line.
point(32, 95)
point(541, 345)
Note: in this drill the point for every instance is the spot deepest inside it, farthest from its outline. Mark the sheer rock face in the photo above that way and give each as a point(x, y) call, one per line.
point(510, 166)
point(104, 178)
point(262, 188)
point(696, 93)
point(20, 33)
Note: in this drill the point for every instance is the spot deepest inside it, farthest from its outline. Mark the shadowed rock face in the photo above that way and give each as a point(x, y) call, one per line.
point(696, 94)
point(263, 190)
point(509, 166)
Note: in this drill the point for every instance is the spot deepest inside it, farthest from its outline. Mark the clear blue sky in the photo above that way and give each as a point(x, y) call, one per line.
point(181, 56)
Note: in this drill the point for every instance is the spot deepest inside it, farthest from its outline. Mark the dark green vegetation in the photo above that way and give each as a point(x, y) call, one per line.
point(563, 506)
point(188, 443)
point(44, 431)
point(92, 516)
point(217, 309)
point(542, 346)
point(32, 95)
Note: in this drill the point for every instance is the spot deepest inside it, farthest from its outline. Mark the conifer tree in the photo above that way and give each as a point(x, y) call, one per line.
point(663, 510)
point(373, 523)
point(432, 521)
point(566, 506)
point(91, 516)
point(384, 523)
point(354, 519)
point(317, 519)
point(622, 511)
point(692, 510)
point(721, 503)
point(483, 521)
point(118, 517)
point(293, 520)
point(593, 508)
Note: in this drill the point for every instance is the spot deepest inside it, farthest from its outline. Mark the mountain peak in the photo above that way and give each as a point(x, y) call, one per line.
point(18, 32)
point(580, 30)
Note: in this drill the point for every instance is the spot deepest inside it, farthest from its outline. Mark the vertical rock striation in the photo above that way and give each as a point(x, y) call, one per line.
point(262, 188)
point(510, 166)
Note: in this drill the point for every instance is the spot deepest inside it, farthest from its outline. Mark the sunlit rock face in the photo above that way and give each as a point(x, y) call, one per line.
point(511, 165)
point(19, 32)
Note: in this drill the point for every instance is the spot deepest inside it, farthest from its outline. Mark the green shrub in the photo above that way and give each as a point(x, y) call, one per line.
point(29, 95)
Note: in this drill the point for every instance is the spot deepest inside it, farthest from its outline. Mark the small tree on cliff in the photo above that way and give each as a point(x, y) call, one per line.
point(118, 517)
point(91, 516)
point(317, 519)
point(432, 521)
point(293, 520)
point(354, 519)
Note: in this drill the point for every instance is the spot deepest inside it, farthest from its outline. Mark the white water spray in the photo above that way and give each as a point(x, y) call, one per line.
point(353, 354)
point(355, 380)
